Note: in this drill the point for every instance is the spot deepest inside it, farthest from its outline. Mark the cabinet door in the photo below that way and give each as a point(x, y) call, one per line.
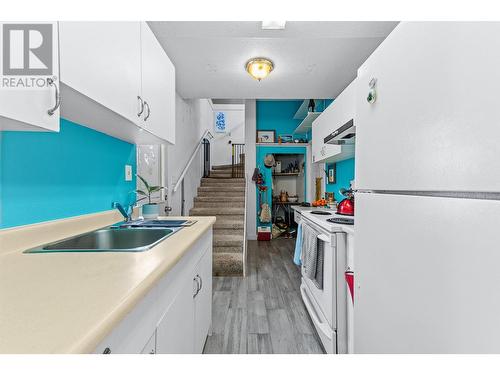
point(26, 108)
point(323, 126)
point(337, 114)
point(102, 60)
point(434, 124)
point(158, 87)
point(203, 301)
point(174, 334)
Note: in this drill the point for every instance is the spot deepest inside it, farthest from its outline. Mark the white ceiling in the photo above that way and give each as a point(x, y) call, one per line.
point(312, 59)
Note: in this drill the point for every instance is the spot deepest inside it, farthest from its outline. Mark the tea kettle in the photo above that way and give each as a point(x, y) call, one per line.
point(346, 206)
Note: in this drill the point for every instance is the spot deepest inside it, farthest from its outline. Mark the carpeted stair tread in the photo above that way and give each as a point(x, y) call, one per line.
point(227, 264)
point(237, 198)
point(228, 240)
point(214, 211)
point(221, 223)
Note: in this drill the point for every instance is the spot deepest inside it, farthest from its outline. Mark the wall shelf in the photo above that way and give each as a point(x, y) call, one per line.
point(306, 124)
point(285, 174)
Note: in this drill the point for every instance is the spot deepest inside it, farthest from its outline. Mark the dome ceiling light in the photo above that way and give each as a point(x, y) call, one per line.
point(259, 67)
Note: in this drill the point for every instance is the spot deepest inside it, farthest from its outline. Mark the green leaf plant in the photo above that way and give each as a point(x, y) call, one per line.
point(148, 191)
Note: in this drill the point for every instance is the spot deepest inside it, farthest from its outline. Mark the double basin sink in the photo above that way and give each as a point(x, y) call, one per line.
point(135, 236)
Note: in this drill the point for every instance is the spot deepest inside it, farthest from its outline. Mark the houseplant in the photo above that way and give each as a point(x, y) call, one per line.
point(150, 210)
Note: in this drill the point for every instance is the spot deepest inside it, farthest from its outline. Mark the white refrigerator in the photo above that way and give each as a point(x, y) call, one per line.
point(427, 256)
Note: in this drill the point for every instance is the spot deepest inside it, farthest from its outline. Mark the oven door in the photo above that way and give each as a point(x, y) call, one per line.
point(324, 298)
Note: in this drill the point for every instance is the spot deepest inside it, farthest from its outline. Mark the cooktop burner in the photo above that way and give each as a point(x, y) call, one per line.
point(341, 220)
point(321, 213)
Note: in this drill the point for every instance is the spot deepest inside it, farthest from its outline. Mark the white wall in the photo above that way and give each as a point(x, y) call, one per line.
point(250, 131)
point(192, 117)
point(235, 125)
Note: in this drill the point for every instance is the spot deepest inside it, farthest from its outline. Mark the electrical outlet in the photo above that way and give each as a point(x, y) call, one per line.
point(128, 173)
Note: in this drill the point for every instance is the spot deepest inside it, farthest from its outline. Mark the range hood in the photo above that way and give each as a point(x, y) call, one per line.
point(342, 136)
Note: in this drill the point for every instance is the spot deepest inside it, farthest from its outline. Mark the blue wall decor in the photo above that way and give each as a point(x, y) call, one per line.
point(46, 176)
point(220, 122)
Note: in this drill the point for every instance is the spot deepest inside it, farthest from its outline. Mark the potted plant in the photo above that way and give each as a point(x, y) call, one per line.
point(150, 210)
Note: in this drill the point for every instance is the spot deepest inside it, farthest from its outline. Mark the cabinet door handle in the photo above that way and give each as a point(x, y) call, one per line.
point(52, 110)
point(149, 111)
point(141, 103)
point(201, 283)
point(197, 286)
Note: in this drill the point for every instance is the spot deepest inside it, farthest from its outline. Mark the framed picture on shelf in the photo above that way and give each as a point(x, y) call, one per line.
point(266, 136)
point(286, 138)
point(331, 173)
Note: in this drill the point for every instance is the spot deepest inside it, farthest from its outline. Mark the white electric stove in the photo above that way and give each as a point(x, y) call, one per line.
point(331, 307)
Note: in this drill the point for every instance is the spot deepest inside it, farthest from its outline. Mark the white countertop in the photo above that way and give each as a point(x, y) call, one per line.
point(69, 302)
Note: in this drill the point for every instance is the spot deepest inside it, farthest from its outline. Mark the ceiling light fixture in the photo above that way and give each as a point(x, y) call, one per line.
point(273, 25)
point(259, 67)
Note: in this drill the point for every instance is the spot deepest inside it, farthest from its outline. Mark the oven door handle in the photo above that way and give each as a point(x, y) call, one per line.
point(324, 238)
point(323, 327)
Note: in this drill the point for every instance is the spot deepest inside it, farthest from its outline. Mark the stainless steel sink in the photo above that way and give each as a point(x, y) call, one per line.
point(109, 240)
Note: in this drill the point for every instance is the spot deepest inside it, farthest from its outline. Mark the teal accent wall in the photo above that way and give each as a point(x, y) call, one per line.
point(261, 153)
point(278, 115)
point(46, 176)
point(344, 175)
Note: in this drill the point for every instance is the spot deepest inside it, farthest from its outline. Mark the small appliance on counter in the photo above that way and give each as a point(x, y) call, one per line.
point(346, 206)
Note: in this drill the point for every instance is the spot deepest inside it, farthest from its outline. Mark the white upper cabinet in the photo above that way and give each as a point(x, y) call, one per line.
point(24, 107)
point(158, 87)
point(337, 114)
point(434, 124)
point(102, 60)
point(117, 66)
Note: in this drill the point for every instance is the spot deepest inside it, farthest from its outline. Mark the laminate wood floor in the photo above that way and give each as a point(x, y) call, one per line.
point(262, 313)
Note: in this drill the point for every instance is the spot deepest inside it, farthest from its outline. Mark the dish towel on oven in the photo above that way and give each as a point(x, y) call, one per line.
point(298, 246)
point(312, 255)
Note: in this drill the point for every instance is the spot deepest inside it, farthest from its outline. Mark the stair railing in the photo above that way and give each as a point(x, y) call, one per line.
point(238, 160)
point(205, 141)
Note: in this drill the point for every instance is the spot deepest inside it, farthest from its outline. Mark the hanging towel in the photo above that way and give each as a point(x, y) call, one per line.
point(298, 246)
point(309, 251)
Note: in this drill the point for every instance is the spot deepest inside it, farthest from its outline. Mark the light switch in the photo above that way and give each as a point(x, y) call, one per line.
point(128, 173)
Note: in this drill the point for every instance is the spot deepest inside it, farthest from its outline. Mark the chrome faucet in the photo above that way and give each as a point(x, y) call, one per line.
point(126, 213)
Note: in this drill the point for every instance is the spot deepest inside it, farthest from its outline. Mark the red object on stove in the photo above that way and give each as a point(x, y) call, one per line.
point(346, 207)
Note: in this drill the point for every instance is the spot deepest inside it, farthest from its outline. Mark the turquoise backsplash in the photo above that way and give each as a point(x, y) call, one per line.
point(46, 176)
point(344, 175)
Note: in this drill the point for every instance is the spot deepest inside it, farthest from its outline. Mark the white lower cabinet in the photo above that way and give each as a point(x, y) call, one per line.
point(175, 316)
point(175, 333)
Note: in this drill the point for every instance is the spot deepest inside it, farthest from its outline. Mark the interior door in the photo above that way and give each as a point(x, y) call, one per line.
point(426, 274)
point(26, 107)
point(102, 61)
point(433, 125)
point(158, 87)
